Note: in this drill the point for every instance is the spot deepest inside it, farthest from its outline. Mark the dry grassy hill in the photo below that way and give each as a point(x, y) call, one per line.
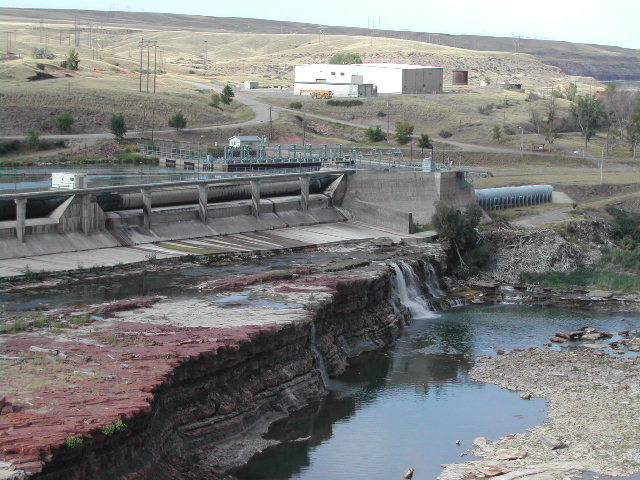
point(598, 61)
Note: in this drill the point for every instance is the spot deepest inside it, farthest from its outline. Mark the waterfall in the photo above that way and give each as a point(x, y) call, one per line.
point(313, 346)
point(408, 291)
point(432, 283)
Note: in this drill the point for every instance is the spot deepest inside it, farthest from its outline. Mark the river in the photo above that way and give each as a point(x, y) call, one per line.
point(406, 406)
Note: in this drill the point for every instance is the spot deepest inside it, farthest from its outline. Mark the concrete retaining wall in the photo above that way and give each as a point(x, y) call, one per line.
point(414, 193)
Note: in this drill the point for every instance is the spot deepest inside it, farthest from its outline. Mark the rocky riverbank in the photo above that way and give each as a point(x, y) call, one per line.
point(593, 422)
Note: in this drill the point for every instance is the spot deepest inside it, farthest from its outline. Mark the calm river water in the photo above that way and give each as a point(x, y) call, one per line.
point(407, 405)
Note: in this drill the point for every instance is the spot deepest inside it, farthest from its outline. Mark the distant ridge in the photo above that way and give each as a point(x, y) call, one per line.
point(599, 61)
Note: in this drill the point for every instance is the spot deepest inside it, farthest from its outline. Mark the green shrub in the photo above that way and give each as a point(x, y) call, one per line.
point(374, 134)
point(296, 105)
point(10, 147)
point(43, 52)
point(112, 428)
point(74, 442)
point(445, 134)
point(64, 122)
point(344, 103)
point(345, 58)
point(486, 109)
point(381, 114)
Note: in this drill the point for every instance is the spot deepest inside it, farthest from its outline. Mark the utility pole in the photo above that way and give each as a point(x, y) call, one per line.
point(148, 45)
point(205, 54)
point(387, 121)
point(141, 44)
point(270, 124)
point(155, 69)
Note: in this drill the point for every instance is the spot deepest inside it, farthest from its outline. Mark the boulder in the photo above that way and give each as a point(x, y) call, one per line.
point(510, 454)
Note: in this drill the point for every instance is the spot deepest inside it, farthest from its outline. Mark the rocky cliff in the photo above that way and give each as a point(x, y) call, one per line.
point(141, 396)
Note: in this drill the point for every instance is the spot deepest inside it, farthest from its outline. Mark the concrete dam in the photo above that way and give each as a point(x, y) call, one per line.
point(85, 219)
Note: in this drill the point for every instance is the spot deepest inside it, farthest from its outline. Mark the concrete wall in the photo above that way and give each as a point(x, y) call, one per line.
point(62, 230)
point(414, 193)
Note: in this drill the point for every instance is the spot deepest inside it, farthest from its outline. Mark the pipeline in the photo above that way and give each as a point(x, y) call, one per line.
point(41, 207)
point(508, 197)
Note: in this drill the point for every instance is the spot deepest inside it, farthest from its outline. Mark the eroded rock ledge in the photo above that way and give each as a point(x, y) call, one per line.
point(184, 377)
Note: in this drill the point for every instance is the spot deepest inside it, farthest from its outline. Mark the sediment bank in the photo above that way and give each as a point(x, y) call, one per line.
point(593, 422)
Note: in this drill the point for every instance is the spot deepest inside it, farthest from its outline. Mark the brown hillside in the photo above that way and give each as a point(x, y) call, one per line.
point(598, 61)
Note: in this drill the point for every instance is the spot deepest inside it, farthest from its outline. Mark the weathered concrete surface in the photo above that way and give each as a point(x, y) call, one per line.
point(410, 192)
point(61, 232)
point(285, 238)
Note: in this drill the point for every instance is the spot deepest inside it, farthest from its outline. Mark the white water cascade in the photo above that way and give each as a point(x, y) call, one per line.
point(431, 282)
point(313, 346)
point(408, 291)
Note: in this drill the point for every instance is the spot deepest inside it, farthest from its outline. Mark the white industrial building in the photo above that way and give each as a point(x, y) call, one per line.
point(367, 79)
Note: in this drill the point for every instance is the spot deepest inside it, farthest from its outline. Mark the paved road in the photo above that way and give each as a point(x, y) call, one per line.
point(264, 112)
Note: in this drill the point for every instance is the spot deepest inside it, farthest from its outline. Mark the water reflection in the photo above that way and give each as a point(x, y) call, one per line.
point(407, 405)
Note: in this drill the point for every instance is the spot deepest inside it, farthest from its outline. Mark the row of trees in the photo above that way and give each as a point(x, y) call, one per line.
point(404, 133)
point(616, 111)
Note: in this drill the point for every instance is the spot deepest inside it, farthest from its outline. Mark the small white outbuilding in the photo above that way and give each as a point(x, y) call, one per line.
point(243, 140)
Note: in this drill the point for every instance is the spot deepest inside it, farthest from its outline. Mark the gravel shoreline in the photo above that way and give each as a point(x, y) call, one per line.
point(593, 424)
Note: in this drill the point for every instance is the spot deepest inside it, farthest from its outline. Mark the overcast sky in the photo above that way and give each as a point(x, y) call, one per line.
point(613, 22)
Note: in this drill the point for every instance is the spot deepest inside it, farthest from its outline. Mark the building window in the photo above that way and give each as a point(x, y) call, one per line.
point(342, 74)
point(333, 73)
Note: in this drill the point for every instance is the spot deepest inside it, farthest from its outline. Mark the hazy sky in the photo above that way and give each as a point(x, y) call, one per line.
point(613, 22)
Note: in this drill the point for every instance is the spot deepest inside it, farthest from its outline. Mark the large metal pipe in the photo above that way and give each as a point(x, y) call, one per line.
point(507, 197)
point(220, 192)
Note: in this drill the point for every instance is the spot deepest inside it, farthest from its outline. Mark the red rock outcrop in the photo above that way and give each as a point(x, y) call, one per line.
point(178, 390)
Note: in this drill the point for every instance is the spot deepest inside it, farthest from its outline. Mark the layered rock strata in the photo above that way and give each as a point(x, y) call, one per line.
point(156, 392)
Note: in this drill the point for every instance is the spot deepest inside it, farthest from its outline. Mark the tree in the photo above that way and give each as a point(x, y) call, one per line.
point(588, 112)
point(345, 59)
point(404, 130)
point(73, 58)
point(216, 98)
point(227, 94)
point(633, 129)
point(572, 91)
point(425, 142)
point(497, 134)
point(374, 134)
point(535, 118)
point(118, 126)
point(461, 229)
point(550, 133)
point(64, 122)
point(552, 109)
point(178, 121)
point(33, 137)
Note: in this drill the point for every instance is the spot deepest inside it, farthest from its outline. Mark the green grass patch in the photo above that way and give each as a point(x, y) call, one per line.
point(24, 321)
point(584, 279)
